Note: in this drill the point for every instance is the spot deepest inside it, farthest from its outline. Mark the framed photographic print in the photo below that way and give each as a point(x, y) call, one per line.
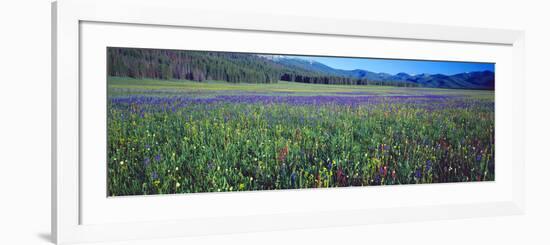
point(202, 121)
point(170, 125)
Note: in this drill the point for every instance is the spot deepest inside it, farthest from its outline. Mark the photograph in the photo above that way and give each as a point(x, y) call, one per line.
point(188, 121)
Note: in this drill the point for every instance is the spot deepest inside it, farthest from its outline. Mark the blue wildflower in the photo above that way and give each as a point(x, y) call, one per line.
point(418, 174)
point(154, 175)
point(478, 158)
point(157, 158)
point(428, 165)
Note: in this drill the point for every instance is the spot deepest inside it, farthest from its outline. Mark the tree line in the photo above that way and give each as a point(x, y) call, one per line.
point(340, 80)
point(225, 66)
point(188, 65)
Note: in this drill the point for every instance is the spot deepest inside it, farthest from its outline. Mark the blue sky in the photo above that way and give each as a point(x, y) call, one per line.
point(393, 67)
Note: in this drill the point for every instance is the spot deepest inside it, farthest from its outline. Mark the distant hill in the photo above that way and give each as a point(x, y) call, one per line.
point(467, 80)
point(252, 68)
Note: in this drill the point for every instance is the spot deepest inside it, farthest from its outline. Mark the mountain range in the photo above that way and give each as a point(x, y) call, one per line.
point(466, 80)
point(255, 68)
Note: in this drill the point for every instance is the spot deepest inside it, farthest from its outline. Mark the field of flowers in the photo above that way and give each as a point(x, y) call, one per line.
point(186, 137)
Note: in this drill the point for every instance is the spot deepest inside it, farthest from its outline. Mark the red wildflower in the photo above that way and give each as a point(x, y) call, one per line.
point(282, 154)
point(340, 177)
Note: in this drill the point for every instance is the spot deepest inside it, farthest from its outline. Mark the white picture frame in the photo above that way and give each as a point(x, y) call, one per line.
point(68, 19)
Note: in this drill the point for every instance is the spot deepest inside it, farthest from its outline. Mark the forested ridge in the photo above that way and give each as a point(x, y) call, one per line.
point(225, 66)
point(189, 65)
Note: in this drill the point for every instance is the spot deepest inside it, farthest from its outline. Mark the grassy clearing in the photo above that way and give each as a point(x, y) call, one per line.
point(119, 86)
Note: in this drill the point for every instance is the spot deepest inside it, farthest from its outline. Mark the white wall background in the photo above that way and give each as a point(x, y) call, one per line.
point(25, 122)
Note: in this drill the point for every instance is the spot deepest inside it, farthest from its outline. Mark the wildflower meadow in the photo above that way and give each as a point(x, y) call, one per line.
point(180, 136)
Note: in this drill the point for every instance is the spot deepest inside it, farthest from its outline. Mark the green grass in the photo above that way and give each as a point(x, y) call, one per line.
point(141, 86)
